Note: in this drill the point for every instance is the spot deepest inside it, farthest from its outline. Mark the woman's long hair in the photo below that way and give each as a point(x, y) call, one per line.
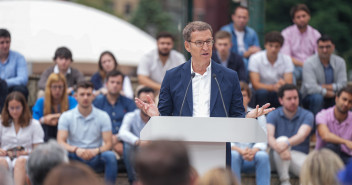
point(103, 73)
point(320, 168)
point(25, 117)
point(53, 78)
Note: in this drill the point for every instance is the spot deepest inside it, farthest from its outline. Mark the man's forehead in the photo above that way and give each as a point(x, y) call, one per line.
point(241, 10)
point(204, 34)
point(84, 90)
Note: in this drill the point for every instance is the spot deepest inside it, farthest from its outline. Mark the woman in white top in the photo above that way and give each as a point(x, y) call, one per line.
point(19, 134)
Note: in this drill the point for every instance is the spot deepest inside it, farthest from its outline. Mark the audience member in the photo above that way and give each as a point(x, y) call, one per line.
point(324, 74)
point(288, 127)
point(245, 40)
point(49, 108)
point(218, 176)
point(153, 66)
point(334, 129)
point(223, 55)
point(269, 70)
point(116, 105)
point(300, 38)
point(72, 174)
point(44, 158)
point(251, 157)
point(85, 132)
point(107, 62)
point(13, 69)
point(19, 134)
point(132, 125)
point(320, 168)
point(5, 177)
point(163, 162)
point(63, 60)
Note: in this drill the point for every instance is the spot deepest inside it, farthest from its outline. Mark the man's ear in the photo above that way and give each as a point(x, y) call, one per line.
point(187, 46)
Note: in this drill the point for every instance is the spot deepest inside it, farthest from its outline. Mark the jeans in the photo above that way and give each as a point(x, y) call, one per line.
point(297, 74)
point(316, 102)
point(346, 158)
point(128, 154)
point(105, 161)
point(263, 96)
point(260, 165)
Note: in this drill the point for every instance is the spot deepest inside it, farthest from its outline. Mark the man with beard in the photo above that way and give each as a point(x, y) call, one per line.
point(132, 125)
point(334, 129)
point(115, 105)
point(324, 74)
point(288, 129)
point(153, 66)
point(300, 38)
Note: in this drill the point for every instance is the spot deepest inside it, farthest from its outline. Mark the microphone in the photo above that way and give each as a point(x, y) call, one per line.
point(222, 99)
point(184, 98)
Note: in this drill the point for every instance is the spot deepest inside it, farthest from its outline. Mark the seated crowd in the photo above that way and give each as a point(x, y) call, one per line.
point(97, 122)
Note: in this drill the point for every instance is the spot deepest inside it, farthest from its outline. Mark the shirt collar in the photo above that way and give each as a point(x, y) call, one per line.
point(79, 115)
point(56, 69)
point(282, 114)
point(208, 70)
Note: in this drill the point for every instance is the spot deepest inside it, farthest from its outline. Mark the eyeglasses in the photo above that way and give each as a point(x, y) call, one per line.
point(326, 47)
point(60, 87)
point(200, 44)
point(18, 108)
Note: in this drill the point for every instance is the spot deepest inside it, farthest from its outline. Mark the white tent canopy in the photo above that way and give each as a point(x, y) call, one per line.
point(38, 28)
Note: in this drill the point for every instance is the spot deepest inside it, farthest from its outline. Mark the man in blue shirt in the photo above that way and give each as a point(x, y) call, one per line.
point(288, 129)
point(13, 69)
point(245, 40)
point(115, 105)
point(85, 132)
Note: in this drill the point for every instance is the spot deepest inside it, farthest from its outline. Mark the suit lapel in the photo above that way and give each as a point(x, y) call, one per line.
point(185, 77)
point(214, 87)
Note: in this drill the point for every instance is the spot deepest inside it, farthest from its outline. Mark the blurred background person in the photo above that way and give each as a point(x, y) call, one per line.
point(72, 174)
point(44, 158)
point(48, 109)
point(163, 162)
point(320, 168)
point(63, 60)
point(218, 176)
point(107, 62)
point(19, 134)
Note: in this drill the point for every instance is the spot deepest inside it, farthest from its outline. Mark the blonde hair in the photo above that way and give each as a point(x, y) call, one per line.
point(320, 168)
point(53, 78)
point(218, 176)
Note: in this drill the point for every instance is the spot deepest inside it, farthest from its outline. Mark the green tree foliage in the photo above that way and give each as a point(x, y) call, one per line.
point(151, 18)
point(332, 17)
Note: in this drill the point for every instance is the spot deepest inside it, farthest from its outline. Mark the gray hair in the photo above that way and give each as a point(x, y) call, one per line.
point(195, 26)
point(5, 176)
point(44, 158)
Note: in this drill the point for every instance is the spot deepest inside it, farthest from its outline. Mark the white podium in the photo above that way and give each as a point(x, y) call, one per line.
point(205, 137)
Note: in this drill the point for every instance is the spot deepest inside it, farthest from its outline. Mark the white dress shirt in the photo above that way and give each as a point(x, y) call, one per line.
point(201, 85)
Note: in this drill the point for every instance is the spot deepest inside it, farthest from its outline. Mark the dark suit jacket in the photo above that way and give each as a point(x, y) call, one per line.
point(235, 63)
point(174, 86)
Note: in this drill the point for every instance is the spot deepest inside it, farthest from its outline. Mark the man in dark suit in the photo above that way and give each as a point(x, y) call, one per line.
point(223, 55)
point(203, 97)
